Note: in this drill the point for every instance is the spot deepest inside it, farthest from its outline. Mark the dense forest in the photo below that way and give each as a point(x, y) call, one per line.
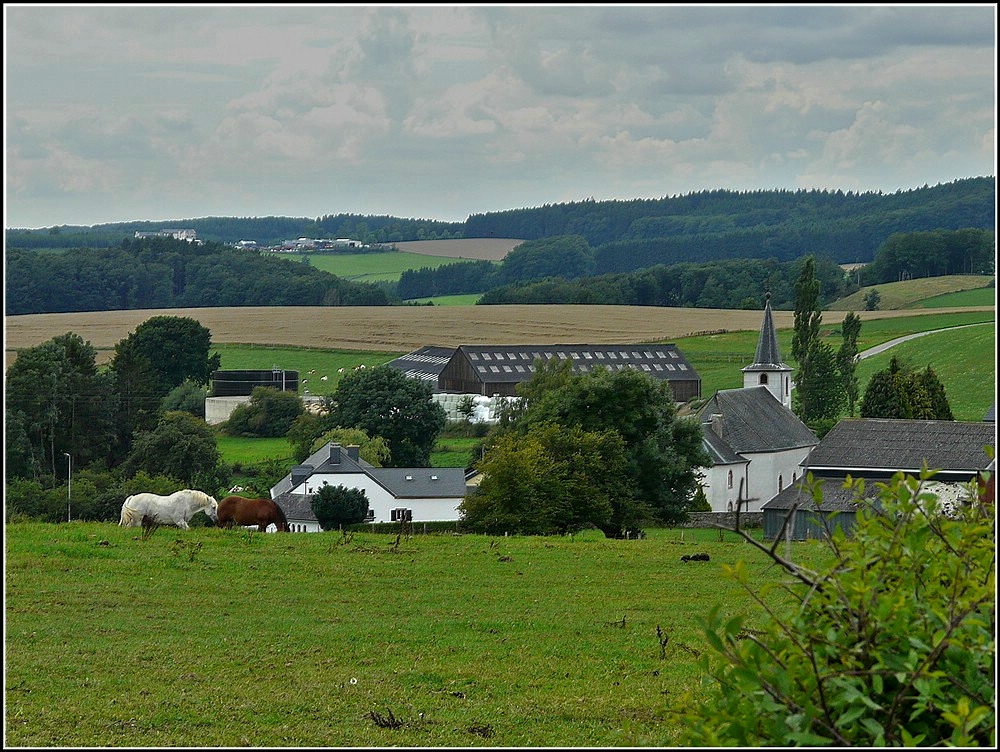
point(166, 273)
point(708, 249)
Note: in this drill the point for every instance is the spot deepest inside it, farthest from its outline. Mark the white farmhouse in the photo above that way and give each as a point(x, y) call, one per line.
point(415, 494)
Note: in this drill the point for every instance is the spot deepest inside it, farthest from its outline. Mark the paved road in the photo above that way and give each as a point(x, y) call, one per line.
point(893, 342)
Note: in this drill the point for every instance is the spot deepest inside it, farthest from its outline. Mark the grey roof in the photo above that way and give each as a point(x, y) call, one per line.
point(321, 461)
point(515, 363)
point(401, 482)
point(768, 356)
point(754, 421)
point(421, 482)
point(719, 450)
point(296, 506)
point(860, 445)
point(991, 414)
point(835, 496)
point(425, 364)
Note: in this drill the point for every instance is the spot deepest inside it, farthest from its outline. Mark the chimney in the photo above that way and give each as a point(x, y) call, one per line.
point(334, 454)
point(353, 452)
point(717, 424)
point(300, 473)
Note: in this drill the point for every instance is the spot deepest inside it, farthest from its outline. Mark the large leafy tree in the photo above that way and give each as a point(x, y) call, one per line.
point(270, 413)
point(805, 340)
point(162, 353)
point(902, 392)
point(662, 450)
point(338, 505)
point(553, 480)
point(176, 348)
point(56, 403)
point(847, 359)
point(181, 446)
point(383, 401)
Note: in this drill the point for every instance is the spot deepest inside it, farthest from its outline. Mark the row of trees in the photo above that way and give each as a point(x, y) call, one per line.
point(162, 272)
point(602, 448)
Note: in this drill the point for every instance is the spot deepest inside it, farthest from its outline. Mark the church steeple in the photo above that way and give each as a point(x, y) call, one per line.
point(768, 369)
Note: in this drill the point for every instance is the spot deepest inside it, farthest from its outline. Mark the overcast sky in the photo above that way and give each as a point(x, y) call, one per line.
point(142, 112)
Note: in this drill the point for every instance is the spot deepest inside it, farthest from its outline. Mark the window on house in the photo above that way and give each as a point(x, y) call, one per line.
point(781, 484)
point(730, 478)
point(763, 378)
point(401, 514)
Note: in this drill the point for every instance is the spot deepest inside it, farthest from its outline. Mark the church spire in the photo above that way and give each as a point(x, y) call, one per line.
point(767, 346)
point(768, 369)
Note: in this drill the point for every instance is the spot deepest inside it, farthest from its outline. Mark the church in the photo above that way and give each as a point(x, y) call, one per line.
point(757, 444)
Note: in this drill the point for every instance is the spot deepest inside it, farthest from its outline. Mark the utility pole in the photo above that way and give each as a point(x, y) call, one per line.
point(69, 489)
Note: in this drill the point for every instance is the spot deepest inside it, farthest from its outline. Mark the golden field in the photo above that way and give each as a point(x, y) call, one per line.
point(406, 328)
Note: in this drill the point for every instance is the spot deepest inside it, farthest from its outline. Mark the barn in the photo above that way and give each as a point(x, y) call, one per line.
point(497, 369)
point(875, 449)
point(230, 389)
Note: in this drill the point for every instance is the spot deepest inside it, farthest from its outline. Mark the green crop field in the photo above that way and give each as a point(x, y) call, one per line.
point(208, 637)
point(371, 267)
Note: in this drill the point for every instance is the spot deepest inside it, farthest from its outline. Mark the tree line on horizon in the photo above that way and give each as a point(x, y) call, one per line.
point(715, 249)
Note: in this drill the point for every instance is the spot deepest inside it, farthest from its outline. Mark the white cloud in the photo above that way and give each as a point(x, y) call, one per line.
point(184, 111)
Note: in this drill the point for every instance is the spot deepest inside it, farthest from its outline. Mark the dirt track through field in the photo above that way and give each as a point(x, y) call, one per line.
point(407, 328)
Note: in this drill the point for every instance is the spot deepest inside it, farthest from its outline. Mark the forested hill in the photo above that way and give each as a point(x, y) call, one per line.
point(629, 234)
point(166, 273)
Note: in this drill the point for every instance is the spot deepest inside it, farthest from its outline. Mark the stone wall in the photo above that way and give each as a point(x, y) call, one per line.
point(726, 519)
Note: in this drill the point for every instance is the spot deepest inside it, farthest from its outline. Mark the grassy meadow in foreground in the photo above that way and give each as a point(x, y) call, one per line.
point(209, 637)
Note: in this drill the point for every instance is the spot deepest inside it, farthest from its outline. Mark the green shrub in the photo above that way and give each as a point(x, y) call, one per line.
point(892, 644)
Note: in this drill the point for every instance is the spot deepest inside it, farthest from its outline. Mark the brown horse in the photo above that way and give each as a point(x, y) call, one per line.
point(235, 510)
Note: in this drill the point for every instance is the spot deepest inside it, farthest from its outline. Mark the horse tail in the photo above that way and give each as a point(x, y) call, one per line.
point(126, 517)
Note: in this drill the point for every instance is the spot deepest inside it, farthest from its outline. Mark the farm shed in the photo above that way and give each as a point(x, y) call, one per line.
point(425, 364)
point(498, 369)
point(879, 447)
point(242, 383)
point(417, 494)
point(811, 522)
point(875, 449)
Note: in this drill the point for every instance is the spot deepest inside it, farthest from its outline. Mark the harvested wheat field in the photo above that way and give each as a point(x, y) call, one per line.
point(406, 328)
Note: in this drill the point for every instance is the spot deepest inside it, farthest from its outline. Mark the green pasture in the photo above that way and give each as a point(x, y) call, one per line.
point(371, 267)
point(311, 363)
point(216, 638)
point(984, 296)
point(451, 300)
point(912, 293)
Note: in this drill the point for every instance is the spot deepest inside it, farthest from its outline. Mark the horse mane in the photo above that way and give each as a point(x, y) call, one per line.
point(281, 512)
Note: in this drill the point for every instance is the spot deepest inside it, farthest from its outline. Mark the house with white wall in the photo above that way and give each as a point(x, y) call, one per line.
point(756, 442)
point(414, 494)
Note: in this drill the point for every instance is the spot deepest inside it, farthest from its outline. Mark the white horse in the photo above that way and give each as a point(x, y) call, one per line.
point(175, 509)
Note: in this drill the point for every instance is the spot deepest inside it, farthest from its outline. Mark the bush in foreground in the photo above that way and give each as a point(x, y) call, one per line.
point(893, 644)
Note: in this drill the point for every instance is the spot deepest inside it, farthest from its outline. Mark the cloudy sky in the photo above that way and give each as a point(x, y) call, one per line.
point(177, 112)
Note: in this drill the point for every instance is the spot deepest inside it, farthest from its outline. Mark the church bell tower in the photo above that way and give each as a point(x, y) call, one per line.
point(768, 369)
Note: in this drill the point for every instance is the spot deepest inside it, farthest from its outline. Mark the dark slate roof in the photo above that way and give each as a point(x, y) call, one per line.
point(296, 506)
point(991, 414)
point(856, 445)
point(425, 364)
point(754, 421)
point(421, 482)
point(401, 482)
point(768, 356)
point(719, 450)
point(835, 496)
point(515, 363)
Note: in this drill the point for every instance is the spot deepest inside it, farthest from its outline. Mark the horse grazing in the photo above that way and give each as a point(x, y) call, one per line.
point(236, 510)
point(176, 509)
